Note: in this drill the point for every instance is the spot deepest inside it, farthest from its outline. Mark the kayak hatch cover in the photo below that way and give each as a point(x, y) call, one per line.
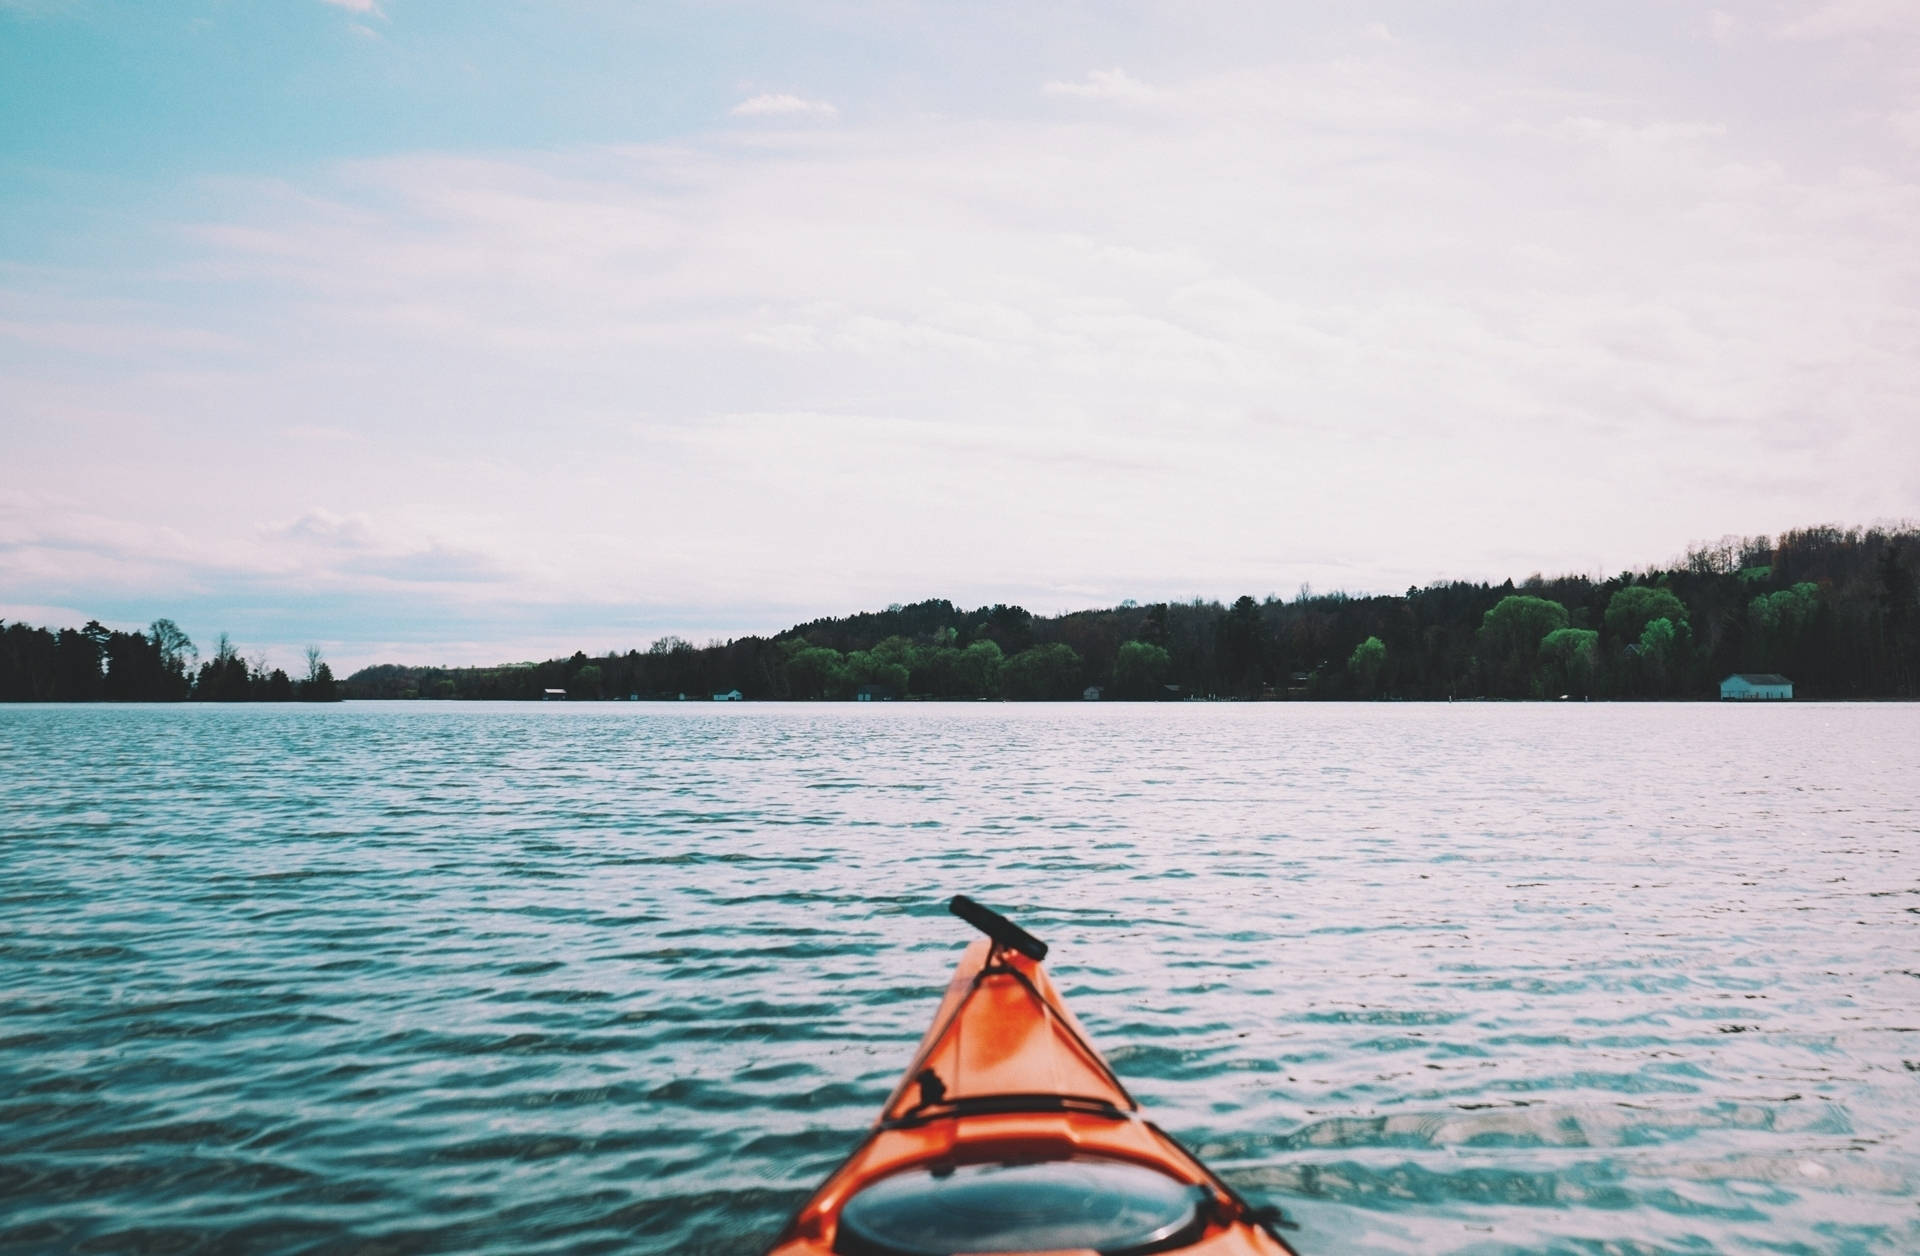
point(1010, 1135)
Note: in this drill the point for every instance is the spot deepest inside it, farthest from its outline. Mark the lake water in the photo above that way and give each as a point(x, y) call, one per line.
point(476, 978)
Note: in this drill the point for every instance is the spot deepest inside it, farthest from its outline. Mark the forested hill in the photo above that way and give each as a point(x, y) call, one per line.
point(1835, 610)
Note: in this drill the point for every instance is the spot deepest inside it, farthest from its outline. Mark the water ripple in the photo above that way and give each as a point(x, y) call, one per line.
point(1472, 978)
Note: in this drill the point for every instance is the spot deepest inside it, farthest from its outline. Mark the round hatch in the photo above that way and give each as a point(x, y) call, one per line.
point(1110, 1207)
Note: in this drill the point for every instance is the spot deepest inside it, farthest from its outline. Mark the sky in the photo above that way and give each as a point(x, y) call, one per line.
point(467, 333)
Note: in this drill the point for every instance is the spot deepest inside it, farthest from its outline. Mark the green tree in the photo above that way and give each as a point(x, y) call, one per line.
point(1631, 609)
point(977, 672)
point(897, 650)
point(1043, 672)
point(1140, 669)
point(1519, 622)
point(1368, 661)
point(1569, 663)
point(1657, 639)
point(872, 667)
point(1510, 636)
point(584, 686)
point(1661, 652)
point(817, 672)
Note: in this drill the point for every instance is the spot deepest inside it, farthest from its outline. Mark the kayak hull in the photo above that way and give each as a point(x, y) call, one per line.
point(1006, 1076)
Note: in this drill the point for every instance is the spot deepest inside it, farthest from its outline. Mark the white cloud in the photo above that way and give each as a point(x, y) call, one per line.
point(1114, 84)
point(782, 105)
point(357, 6)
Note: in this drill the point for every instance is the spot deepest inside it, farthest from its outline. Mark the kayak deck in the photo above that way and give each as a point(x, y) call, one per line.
point(1009, 1134)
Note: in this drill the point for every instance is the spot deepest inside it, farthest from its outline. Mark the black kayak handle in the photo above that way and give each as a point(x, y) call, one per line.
point(1003, 931)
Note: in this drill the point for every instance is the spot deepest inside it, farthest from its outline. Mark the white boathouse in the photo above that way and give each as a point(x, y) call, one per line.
point(1756, 687)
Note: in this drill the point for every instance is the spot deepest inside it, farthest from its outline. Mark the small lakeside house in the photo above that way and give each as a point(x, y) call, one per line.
point(553, 695)
point(873, 693)
point(731, 695)
point(1756, 687)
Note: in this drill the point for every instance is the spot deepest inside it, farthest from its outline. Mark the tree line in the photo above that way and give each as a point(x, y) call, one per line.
point(95, 663)
point(1833, 609)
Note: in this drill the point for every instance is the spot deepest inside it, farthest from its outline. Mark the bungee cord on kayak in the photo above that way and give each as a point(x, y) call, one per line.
point(1009, 1134)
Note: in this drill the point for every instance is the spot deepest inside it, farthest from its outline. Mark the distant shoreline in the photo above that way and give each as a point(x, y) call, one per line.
point(1834, 610)
point(1830, 613)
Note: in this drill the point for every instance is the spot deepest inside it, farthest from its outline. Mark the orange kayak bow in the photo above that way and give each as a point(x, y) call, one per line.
point(1010, 1135)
